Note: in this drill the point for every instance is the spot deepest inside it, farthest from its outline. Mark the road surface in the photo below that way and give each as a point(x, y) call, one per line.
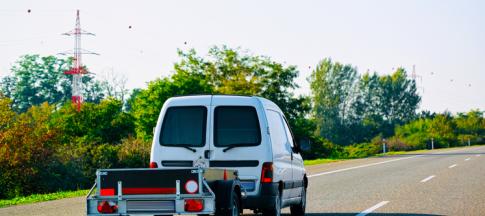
point(442, 182)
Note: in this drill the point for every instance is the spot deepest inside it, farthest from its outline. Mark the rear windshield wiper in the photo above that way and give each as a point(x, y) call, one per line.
point(236, 145)
point(183, 146)
point(191, 149)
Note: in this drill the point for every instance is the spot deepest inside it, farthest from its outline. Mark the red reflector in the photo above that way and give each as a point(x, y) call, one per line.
point(194, 205)
point(107, 192)
point(153, 165)
point(267, 172)
point(106, 207)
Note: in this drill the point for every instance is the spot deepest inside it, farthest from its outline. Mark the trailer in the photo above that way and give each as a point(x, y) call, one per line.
point(155, 191)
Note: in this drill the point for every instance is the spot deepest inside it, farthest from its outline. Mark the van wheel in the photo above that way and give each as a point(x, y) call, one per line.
point(276, 210)
point(232, 208)
point(235, 208)
point(299, 209)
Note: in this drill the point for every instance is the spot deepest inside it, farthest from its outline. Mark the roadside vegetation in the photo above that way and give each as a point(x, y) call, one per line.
point(41, 197)
point(46, 145)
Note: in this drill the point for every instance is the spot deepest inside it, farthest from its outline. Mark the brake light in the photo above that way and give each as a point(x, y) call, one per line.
point(153, 165)
point(105, 207)
point(267, 172)
point(194, 205)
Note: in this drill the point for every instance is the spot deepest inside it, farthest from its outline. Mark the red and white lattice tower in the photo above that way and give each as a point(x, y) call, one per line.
point(78, 69)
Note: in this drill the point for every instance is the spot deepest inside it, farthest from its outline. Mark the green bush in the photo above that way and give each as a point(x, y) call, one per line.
point(361, 150)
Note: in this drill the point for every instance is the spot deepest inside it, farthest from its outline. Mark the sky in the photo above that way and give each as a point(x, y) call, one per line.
point(444, 39)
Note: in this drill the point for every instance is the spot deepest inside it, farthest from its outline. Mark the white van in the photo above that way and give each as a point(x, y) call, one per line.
point(249, 134)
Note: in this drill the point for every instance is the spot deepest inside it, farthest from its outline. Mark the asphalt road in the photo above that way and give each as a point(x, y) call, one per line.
point(442, 182)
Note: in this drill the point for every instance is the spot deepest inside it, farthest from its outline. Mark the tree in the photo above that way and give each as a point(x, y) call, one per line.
point(352, 109)
point(234, 71)
point(148, 102)
point(384, 102)
point(333, 89)
point(28, 143)
point(37, 79)
point(399, 98)
point(222, 71)
point(469, 126)
point(95, 123)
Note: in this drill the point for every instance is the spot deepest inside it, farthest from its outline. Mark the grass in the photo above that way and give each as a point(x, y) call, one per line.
point(320, 161)
point(328, 160)
point(42, 197)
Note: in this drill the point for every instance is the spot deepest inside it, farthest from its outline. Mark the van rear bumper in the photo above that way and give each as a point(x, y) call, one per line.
point(265, 199)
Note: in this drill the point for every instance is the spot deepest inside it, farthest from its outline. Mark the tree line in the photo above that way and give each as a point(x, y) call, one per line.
point(46, 145)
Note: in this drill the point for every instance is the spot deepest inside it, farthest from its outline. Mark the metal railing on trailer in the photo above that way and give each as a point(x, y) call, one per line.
point(157, 191)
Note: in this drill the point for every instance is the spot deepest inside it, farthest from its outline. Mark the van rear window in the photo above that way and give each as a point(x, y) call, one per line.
point(184, 126)
point(236, 125)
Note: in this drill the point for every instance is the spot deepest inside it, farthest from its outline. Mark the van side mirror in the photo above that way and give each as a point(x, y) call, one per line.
point(304, 144)
point(296, 148)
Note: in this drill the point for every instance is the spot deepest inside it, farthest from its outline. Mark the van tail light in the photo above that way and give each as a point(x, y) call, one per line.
point(107, 207)
point(194, 205)
point(153, 165)
point(267, 172)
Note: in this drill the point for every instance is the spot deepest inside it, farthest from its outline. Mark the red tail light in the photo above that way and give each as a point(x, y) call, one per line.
point(153, 165)
point(194, 205)
point(267, 172)
point(105, 207)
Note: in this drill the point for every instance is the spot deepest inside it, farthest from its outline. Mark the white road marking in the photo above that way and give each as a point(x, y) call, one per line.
point(373, 208)
point(467, 159)
point(477, 155)
point(361, 166)
point(427, 179)
point(454, 165)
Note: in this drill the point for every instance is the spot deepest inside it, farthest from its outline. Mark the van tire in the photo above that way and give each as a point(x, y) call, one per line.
point(227, 198)
point(233, 207)
point(299, 209)
point(275, 210)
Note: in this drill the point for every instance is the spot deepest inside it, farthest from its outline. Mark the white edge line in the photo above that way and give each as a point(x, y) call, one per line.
point(373, 208)
point(427, 179)
point(467, 159)
point(454, 165)
point(361, 166)
point(477, 155)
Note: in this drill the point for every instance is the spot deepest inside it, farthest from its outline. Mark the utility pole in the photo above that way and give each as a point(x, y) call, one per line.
point(432, 143)
point(78, 70)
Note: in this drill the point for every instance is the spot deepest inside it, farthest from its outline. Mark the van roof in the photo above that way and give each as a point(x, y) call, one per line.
point(265, 102)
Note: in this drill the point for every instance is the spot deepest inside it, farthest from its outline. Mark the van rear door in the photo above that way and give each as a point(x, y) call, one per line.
point(237, 140)
point(182, 135)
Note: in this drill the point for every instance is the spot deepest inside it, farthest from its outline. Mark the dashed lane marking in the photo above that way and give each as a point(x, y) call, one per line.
point(373, 208)
point(427, 179)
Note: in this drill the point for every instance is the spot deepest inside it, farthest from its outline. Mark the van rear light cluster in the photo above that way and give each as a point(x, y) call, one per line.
point(153, 164)
point(107, 207)
point(194, 205)
point(267, 172)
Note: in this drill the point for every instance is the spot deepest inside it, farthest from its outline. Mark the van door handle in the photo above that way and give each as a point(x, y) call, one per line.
point(207, 154)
